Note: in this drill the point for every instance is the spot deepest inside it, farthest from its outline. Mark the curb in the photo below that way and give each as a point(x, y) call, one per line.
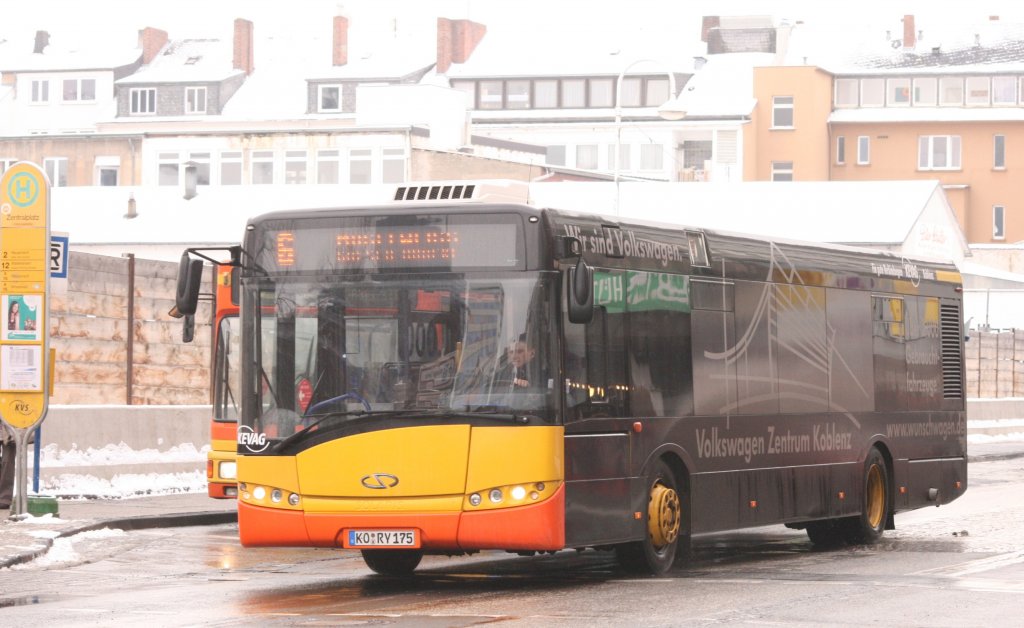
point(127, 523)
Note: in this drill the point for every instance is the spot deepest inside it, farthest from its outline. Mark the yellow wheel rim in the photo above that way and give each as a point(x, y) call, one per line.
point(875, 500)
point(663, 515)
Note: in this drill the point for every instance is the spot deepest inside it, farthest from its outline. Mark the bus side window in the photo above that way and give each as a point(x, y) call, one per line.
point(595, 360)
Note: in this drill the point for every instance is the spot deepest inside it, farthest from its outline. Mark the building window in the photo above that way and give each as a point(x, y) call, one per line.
point(517, 95)
point(79, 90)
point(231, 167)
point(938, 152)
point(586, 156)
point(863, 150)
point(999, 152)
point(492, 94)
point(632, 96)
point(696, 153)
point(978, 91)
point(169, 168)
point(840, 150)
point(998, 222)
point(652, 157)
point(951, 91)
point(262, 167)
point(360, 166)
point(393, 169)
point(555, 156)
point(467, 87)
point(898, 92)
point(623, 156)
point(602, 93)
point(195, 100)
point(328, 163)
point(5, 163)
point(106, 176)
point(782, 112)
point(926, 92)
point(201, 162)
point(656, 92)
point(574, 93)
point(295, 167)
point(545, 94)
point(329, 98)
point(40, 91)
point(847, 92)
point(782, 171)
point(143, 101)
point(1004, 90)
point(57, 171)
point(872, 92)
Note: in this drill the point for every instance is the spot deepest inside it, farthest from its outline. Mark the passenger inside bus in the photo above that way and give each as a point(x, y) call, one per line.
point(525, 370)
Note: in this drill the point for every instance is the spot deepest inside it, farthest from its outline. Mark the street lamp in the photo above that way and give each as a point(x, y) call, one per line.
point(670, 110)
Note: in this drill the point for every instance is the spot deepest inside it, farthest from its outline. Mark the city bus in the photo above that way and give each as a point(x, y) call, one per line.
point(225, 380)
point(684, 381)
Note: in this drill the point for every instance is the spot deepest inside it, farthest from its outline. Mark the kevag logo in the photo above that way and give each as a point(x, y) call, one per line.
point(251, 440)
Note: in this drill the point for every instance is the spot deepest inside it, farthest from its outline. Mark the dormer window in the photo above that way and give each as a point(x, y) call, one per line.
point(142, 101)
point(195, 100)
point(329, 98)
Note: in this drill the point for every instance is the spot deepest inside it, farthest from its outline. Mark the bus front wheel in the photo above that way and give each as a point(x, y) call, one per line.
point(392, 562)
point(664, 519)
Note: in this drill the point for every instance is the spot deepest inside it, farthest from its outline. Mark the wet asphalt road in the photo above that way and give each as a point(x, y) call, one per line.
point(959, 565)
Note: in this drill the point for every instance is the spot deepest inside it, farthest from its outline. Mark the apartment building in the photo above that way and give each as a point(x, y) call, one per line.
point(901, 104)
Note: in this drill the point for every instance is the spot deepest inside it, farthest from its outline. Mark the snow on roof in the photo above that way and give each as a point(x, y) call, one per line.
point(724, 86)
point(964, 39)
point(187, 60)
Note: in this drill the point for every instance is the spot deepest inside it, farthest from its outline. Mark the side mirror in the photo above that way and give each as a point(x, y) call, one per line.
point(188, 328)
point(579, 283)
point(190, 277)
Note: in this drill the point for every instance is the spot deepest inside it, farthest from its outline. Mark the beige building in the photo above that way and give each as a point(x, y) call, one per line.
point(927, 105)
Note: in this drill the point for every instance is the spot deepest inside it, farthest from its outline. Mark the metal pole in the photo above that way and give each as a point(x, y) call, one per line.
point(35, 459)
point(130, 359)
point(618, 119)
point(19, 505)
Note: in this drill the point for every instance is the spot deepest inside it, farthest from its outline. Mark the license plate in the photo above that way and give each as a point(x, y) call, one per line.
point(381, 538)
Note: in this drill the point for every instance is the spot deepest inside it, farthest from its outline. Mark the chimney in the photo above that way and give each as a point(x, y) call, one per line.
point(339, 46)
point(706, 24)
point(42, 41)
point(152, 41)
point(456, 40)
point(243, 59)
point(909, 32)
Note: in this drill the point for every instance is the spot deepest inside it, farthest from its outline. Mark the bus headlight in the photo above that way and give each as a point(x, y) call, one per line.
point(518, 492)
point(510, 495)
point(495, 495)
point(475, 499)
point(259, 492)
point(293, 499)
point(275, 495)
point(228, 470)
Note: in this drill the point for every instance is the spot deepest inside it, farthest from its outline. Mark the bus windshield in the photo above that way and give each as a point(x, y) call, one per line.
point(438, 346)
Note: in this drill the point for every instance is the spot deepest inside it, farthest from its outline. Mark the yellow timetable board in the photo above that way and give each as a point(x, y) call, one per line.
point(24, 275)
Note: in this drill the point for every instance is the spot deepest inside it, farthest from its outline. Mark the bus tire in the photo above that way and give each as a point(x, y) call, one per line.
point(876, 502)
point(826, 533)
point(392, 562)
point(663, 519)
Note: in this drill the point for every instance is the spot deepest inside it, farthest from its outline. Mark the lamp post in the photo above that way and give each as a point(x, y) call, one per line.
point(669, 110)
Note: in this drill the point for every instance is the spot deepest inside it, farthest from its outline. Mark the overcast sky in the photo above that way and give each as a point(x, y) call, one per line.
point(212, 18)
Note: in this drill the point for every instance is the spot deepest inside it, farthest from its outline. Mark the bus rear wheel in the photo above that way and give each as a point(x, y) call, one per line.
point(876, 506)
point(664, 519)
point(392, 562)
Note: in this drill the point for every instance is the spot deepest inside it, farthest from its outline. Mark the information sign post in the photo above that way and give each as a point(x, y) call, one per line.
point(24, 299)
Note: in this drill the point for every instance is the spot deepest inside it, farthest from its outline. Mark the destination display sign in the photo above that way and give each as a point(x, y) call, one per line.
point(435, 244)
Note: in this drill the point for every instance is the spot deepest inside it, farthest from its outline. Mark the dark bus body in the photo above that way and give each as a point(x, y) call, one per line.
point(722, 381)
